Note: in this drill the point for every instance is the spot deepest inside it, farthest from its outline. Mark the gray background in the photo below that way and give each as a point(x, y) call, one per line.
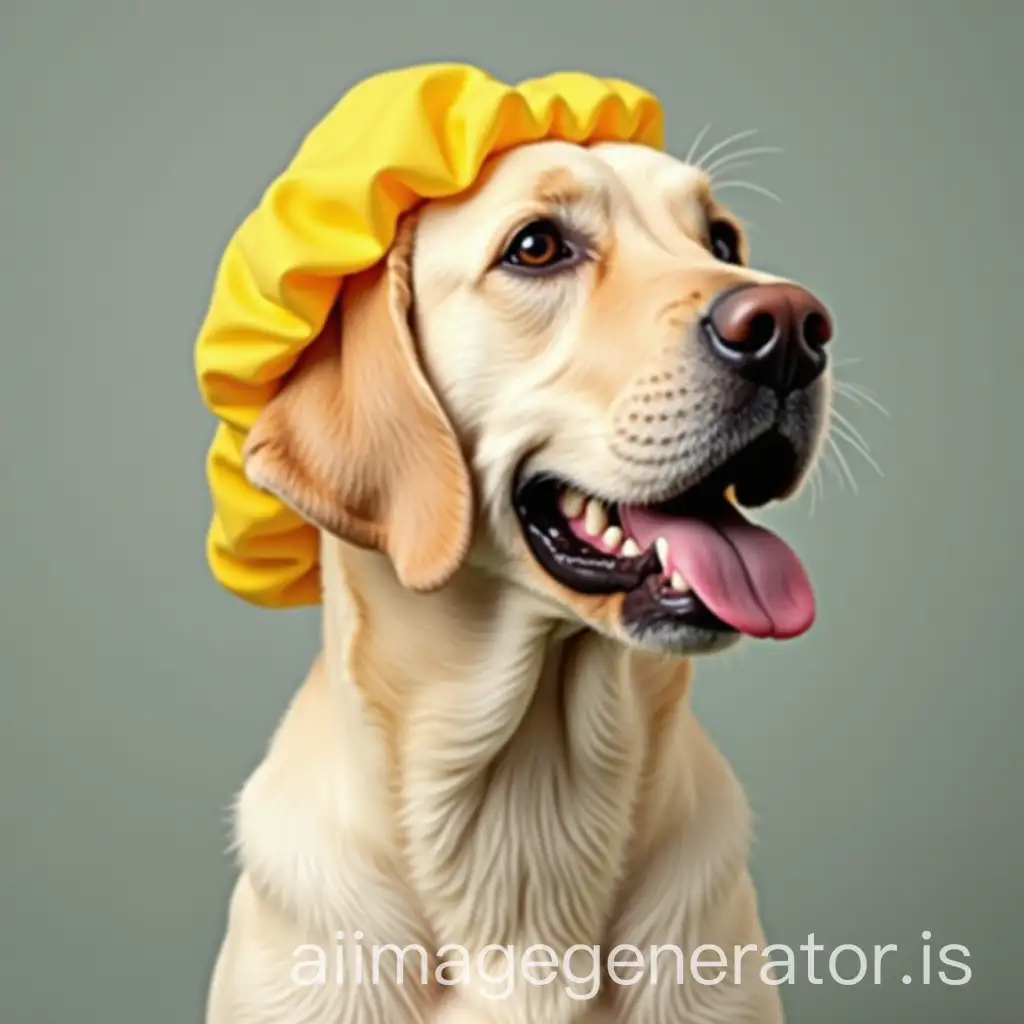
point(882, 752)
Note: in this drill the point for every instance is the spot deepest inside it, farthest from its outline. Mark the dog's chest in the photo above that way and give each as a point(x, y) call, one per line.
point(530, 846)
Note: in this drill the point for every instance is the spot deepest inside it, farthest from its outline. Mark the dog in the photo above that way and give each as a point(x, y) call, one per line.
point(528, 439)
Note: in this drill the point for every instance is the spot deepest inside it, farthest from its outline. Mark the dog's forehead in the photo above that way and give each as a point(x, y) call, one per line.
point(640, 165)
point(546, 169)
point(659, 183)
point(563, 173)
point(550, 171)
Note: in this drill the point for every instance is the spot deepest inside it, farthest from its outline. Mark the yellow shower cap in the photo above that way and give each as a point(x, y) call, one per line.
point(393, 140)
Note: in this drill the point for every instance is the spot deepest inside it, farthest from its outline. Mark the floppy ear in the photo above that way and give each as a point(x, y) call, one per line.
point(357, 442)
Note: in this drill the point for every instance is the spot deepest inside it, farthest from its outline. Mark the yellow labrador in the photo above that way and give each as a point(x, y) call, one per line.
point(527, 455)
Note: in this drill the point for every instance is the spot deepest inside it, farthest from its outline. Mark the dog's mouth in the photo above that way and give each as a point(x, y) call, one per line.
point(693, 560)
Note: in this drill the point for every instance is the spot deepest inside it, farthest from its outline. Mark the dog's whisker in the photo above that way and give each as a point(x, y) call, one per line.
point(848, 433)
point(860, 395)
point(828, 462)
point(718, 147)
point(750, 186)
point(739, 165)
point(834, 445)
point(858, 448)
point(847, 425)
point(814, 482)
point(853, 385)
point(729, 158)
point(819, 473)
point(692, 151)
point(831, 463)
point(848, 361)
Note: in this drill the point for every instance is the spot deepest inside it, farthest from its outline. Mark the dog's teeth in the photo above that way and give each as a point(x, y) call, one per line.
point(572, 503)
point(661, 547)
point(596, 520)
point(677, 582)
point(630, 548)
point(612, 538)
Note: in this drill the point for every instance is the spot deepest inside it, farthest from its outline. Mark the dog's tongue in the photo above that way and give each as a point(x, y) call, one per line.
point(750, 578)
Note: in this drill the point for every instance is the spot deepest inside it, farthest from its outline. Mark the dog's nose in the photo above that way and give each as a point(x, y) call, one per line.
point(771, 334)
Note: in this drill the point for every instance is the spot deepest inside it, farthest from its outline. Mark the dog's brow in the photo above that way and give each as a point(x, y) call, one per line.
point(560, 187)
point(691, 204)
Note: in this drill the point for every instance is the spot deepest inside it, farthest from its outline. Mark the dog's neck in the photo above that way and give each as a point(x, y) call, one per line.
point(480, 645)
point(497, 724)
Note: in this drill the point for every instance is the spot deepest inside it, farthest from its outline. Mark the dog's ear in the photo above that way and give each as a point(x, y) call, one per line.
point(356, 440)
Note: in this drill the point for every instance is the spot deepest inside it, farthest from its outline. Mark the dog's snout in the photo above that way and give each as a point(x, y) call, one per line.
point(773, 334)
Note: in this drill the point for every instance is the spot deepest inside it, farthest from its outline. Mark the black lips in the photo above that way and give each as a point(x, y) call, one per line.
point(650, 602)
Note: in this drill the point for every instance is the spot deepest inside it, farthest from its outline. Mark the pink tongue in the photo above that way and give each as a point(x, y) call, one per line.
point(749, 577)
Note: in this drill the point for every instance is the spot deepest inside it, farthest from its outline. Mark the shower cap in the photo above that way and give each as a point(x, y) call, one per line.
point(393, 141)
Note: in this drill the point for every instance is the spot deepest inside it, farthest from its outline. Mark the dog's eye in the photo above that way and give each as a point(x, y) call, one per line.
point(538, 246)
point(724, 242)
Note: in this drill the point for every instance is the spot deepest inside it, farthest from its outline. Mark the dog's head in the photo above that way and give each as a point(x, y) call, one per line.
point(571, 377)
